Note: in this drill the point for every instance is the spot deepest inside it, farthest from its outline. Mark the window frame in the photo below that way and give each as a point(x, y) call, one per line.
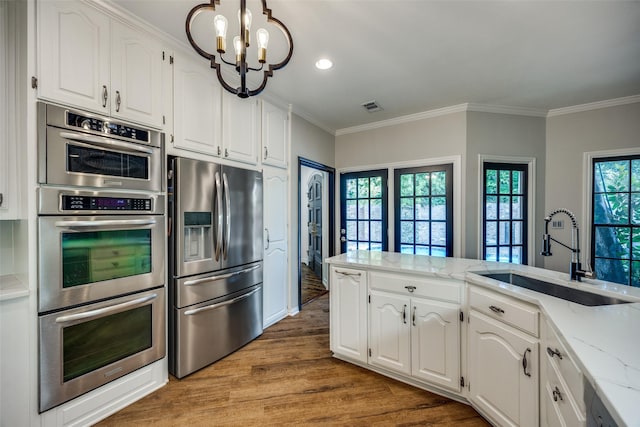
point(506, 166)
point(448, 168)
point(593, 226)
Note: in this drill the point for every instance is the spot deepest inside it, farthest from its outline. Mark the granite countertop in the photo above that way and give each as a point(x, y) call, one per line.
point(605, 340)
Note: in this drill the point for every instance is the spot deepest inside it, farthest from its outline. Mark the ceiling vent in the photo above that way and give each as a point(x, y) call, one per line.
point(372, 106)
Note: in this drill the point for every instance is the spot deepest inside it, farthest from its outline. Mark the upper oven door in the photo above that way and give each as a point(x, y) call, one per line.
point(79, 159)
point(89, 258)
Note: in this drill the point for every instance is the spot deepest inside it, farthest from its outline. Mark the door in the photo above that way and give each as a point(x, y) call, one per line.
point(435, 342)
point(314, 204)
point(503, 372)
point(275, 246)
point(242, 202)
point(275, 135)
point(74, 54)
point(390, 331)
point(197, 220)
point(363, 211)
point(240, 128)
point(349, 313)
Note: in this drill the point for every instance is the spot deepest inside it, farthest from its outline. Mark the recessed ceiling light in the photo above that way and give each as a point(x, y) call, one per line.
point(324, 64)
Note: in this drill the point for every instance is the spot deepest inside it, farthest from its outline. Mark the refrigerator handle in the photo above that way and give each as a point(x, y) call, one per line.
point(218, 241)
point(227, 214)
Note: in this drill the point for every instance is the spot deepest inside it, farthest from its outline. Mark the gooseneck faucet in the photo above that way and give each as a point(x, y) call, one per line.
point(575, 268)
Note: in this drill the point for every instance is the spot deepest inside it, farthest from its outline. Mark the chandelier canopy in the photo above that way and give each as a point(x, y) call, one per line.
point(240, 44)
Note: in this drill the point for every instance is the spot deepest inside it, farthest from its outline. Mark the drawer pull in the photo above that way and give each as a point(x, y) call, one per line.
point(410, 288)
point(525, 363)
point(557, 394)
point(555, 352)
point(404, 314)
point(496, 309)
point(346, 273)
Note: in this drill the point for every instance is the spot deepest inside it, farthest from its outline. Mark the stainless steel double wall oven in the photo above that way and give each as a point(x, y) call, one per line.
point(101, 225)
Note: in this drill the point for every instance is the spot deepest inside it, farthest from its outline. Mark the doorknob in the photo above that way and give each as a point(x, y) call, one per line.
point(343, 231)
point(343, 239)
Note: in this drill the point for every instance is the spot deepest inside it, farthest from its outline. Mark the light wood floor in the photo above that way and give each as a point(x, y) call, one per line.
point(288, 377)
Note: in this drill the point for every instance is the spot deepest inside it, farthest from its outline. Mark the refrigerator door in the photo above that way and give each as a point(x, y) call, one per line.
point(242, 200)
point(198, 223)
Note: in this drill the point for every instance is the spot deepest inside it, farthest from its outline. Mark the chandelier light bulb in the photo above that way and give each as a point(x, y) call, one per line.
point(247, 25)
point(263, 41)
point(237, 45)
point(220, 23)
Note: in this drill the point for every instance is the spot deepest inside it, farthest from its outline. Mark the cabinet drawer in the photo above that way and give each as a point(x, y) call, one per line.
point(508, 310)
point(560, 404)
point(559, 358)
point(429, 287)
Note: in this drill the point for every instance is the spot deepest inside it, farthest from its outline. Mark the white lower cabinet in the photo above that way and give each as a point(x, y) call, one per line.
point(348, 335)
point(503, 372)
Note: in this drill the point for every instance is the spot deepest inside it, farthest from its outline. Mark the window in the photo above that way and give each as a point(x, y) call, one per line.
point(504, 226)
point(363, 205)
point(615, 209)
point(424, 210)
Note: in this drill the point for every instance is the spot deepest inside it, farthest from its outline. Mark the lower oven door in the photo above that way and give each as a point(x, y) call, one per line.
point(90, 258)
point(86, 347)
point(203, 333)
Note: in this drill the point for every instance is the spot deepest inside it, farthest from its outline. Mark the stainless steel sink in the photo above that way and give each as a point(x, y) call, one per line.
point(558, 291)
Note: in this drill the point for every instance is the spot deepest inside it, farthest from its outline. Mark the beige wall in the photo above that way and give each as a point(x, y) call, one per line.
point(423, 139)
point(568, 137)
point(312, 143)
point(502, 135)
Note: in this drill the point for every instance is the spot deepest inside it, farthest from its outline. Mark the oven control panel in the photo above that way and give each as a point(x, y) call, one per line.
point(103, 126)
point(97, 203)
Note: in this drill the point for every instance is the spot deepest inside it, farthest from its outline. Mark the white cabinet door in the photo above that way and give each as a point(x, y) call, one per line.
point(389, 333)
point(435, 342)
point(240, 128)
point(197, 107)
point(348, 310)
point(275, 135)
point(73, 54)
point(136, 76)
point(503, 372)
point(275, 285)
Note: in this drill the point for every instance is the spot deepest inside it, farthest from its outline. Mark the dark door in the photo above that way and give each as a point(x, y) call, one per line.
point(315, 224)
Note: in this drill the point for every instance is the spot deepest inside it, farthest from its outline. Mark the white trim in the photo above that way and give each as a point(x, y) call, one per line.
point(403, 119)
point(587, 184)
point(458, 196)
point(531, 200)
point(594, 105)
point(505, 109)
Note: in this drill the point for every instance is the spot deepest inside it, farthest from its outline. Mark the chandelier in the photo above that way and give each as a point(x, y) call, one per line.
point(240, 44)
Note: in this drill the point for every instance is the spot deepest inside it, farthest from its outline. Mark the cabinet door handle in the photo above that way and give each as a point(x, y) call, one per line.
point(410, 288)
point(496, 309)
point(413, 316)
point(268, 240)
point(226, 152)
point(266, 153)
point(555, 352)
point(118, 100)
point(404, 314)
point(346, 273)
point(525, 363)
point(105, 96)
point(557, 394)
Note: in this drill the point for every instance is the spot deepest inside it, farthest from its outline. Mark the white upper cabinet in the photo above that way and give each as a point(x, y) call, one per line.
point(73, 55)
point(136, 75)
point(275, 135)
point(90, 61)
point(240, 124)
point(197, 105)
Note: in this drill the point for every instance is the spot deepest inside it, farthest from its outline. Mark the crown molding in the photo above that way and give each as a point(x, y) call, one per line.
point(404, 119)
point(505, 109)
point(594, 105)
point(306, 116)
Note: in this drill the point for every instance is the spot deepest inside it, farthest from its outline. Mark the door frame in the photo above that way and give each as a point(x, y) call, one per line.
point(331, 200)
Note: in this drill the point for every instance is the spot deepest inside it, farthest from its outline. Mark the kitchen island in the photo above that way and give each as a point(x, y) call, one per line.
point(602, 341)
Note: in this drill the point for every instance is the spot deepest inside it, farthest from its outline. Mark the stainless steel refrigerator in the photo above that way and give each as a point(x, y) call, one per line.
point(215, 268)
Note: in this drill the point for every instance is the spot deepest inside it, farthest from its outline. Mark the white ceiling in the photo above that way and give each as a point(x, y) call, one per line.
point(418, 55)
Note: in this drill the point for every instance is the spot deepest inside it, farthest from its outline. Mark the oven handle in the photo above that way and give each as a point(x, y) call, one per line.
point(106, 223)
point(106, 310)
point(106, 142)
point(222, 276)
point(220, 304)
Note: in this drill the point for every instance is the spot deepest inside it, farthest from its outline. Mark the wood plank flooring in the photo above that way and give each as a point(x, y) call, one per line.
point(288, 377)
point(311, 285)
